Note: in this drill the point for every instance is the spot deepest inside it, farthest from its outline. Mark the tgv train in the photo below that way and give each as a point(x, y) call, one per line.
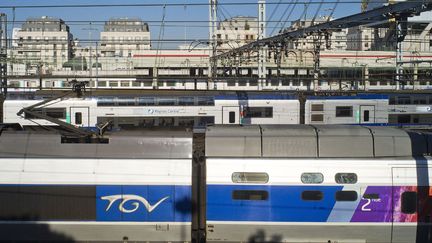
point(292, 183)
point(199, 109)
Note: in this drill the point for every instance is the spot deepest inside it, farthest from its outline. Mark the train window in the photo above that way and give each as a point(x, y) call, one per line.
point(346, 178)
point(249, 177)
point(126, 102)
point(59, 113)
point(366, 116)
point(347, 196)
point(409, 202)
point(317, 107)
point(256, 195)
point(78, 118)
point(259, 112)
point(317, 117)
point(312, 195)
point(420, 101)
point(186, 101)
point(105, 101)
point(344, 111)
point(231, 117)
point(205, 101)
point(29, 116)
point(166, 101)
point(404, 118)
point(146, 101)
point(312, 178)
point(404, 100)
point(392, 100)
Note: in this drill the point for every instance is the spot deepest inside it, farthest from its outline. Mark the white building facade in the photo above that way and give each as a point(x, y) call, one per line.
point(44, 41)
point(123, 37)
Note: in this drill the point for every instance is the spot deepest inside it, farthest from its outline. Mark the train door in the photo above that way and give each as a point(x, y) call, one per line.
point(412, 204)
point(80, 116)
point(230, 115)
point(367, 114)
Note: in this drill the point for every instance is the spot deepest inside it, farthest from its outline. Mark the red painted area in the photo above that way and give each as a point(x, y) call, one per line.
point(171, 55)
point(368, 56)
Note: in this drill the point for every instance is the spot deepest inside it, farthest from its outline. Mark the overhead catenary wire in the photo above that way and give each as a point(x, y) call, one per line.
point(317, 2)
point(286, 19)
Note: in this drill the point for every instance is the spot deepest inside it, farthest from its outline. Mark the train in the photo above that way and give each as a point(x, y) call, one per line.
point(198, 109)
point(237, 183)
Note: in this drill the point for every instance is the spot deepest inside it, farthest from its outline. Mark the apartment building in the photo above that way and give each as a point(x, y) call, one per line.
point(123, 37)
point(44, 41)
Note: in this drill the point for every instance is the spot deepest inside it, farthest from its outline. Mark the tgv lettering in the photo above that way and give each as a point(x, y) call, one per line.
point(126, 198)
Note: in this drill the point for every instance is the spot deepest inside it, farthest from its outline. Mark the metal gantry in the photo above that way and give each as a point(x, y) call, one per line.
point(397, 11)
point(3, 53)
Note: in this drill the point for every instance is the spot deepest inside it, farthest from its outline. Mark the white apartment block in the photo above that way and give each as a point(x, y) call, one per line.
point(43, 41)
point(236, 32)
point(337, 41)
point(124, 37)
point(360, 38)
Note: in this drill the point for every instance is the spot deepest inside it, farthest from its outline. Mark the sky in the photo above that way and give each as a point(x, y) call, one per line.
point(82, 19)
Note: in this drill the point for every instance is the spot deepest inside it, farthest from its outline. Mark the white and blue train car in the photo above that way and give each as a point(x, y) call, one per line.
point(414, 109)
point(137, 186)
point(317, 184)
point(163, 109)
point(360, 109)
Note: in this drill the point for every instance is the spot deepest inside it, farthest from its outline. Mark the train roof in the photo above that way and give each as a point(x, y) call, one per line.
point(352, 97)
point(319, 141)
point(148, 144)
point(143, 93)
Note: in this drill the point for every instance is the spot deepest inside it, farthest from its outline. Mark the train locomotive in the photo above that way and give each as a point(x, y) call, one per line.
point(267, 183)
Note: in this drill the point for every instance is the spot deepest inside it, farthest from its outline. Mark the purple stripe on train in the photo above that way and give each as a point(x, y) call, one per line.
point(376, 205)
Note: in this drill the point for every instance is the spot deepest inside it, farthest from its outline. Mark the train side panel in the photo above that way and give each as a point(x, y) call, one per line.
point(95, 199)
point(286, 200)
point(347, 110)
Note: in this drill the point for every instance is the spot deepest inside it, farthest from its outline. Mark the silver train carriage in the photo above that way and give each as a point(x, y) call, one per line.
point(163, 109)
point(191, 109)
point(292, 183)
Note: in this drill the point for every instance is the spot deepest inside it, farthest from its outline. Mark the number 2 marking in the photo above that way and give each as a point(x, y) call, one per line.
point(364, 207)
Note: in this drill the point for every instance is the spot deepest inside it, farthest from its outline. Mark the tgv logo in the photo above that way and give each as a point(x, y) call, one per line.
point(126, 198)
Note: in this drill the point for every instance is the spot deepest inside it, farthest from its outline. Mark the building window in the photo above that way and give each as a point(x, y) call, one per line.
point(113, 83)
point(344, 111)
point(346, 178)
point(258, 112)
point(317, 117)
point(409, 202)
point(317, 107)
point(346, 196)
point(312, 195)
point(250, 177)
point(255, 195)
point(312, 178)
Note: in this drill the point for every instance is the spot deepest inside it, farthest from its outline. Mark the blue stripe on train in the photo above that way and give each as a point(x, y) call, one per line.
point(284, 204)
point(152, 203)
